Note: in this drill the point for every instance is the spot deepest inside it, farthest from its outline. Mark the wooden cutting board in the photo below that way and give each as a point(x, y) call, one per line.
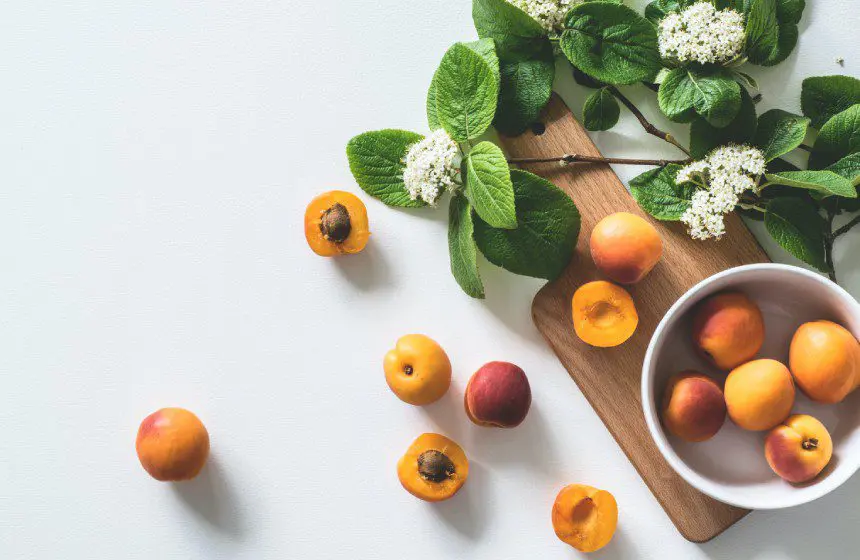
point(610, 378)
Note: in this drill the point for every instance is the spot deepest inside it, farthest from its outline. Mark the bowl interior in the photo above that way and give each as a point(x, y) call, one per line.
point(731, 467)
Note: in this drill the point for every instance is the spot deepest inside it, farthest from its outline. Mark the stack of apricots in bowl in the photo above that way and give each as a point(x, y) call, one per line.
point(749, 386)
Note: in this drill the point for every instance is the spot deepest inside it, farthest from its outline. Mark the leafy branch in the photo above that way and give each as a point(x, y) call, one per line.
point(580, 158)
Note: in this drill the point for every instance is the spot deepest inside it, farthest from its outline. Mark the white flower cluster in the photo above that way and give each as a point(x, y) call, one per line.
point(725, 174)
point(702, 34)
point(431, 166)
point(549, 13)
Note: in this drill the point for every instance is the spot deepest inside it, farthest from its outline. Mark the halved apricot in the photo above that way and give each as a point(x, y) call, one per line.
point(336, 224)
point(584, 517)
point(434, 468)
point(604, 314)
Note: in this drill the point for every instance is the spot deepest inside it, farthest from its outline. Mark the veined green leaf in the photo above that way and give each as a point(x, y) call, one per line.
point(659, 195)
point(772, 30)
point(848, 167)
point(517, 35)
point(462, 248)
point(526, 88)
point(601, 110)
point(467, 91)
point(825, 182)
point(488, 185)
point(780, 132)
point(839, 137)
point(376, 161)
point(544, 241)
point(709, 92)
point(823, 97)
point(795, 224)
point(611, 42)
point(704, 137)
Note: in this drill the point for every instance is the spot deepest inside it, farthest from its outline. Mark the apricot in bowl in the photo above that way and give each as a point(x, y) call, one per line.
point(732, 466)
point(824, 358)
point(694, 408)
point(799, 448)
point(728, 329)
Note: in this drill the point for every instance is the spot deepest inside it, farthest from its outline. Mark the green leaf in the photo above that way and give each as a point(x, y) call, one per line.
point(601, 110)
point(839, 137)
point(798, 228)
point(823, 97)
point(659, 9)
point(780, 132)
point(611, 42)
point(488, 185)
point(709, 92)
point(517, 35)
point(432, 112)
point(704, 137)
point(526, 88)
point(824, 182)
point(848, 167)
point(376, 162)
point(543, 243)
point(772, 30)
point(585, 80)
point(461, 246)
point(486, 49)
point(467, 90)
point(659, 195)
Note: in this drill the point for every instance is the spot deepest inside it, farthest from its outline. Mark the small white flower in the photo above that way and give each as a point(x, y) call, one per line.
point(431, 166)
point(724, 175)
point(702, 34)
point(549, 13)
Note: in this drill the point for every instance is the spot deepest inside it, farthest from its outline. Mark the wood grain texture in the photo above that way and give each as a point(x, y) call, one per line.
point(610, 378)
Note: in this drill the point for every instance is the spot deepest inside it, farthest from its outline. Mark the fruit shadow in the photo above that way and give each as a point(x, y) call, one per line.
point(823, 529)
point(619, 547)
point(467, 512)
point(367, 271)
point(509, 299)
point(211, 498)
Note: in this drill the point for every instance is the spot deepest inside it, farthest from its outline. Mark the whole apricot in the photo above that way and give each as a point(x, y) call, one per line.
point(728, 329)
point(694, 408)
point(417, 370)
point(825, 360)
point(499, 395)
point(625, 247)
point(604, 314)
point(584, 517)
point(336, 224)
point(434, 468)
point(172, 444)
point(759, 394)
point(799, 448)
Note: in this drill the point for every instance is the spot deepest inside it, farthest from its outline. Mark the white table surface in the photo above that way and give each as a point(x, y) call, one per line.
point(157, 160)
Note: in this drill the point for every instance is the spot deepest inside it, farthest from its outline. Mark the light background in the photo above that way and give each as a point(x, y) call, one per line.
point(157, 157)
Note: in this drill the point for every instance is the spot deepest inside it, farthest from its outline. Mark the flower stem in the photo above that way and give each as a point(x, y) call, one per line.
point(578, 158)
point(846, 228)
point(646, 124)
point(828, 245)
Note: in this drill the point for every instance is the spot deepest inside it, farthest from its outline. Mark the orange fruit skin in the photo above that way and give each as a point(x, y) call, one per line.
point(825, 360)
point(172, 444)
point(417, 370)
point(625, 247)
point(788, 456)
point(359, 232)
point(759, 394)
point(728, 329)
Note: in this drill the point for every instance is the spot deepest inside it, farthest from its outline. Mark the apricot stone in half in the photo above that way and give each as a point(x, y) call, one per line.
point(728, 329)
point(172, 444)
point(694, 408)
point(604, 314)
point(336, 224)
point(417, 370)
point(625, 247)
point(434, 468)
point(799, 448)
point(498, 395)
point(759, 394)
point(825, 360)
point(584, 517)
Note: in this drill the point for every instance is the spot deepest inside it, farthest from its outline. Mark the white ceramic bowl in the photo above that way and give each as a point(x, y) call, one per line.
point(731, 466)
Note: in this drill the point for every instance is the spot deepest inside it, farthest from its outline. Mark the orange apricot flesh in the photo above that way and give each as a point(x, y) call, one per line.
point(336, 224)
point(604, 314)
point(625, 247)
point(434, 468)
point(584, 517)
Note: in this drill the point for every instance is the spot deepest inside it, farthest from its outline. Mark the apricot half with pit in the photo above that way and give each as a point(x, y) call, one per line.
point(728, 329)
point(759, 394)
point(625, 247)
point(499, 395)
point(434, 468)
point(584, 517)
point(694, 408)
point(604, 314)
point(172, 444)
point(336, 224)
point(417, 370)
point(825, 360)
point(799, 448)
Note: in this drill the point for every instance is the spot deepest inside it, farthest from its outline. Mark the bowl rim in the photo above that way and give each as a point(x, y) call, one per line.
point(649, 407)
